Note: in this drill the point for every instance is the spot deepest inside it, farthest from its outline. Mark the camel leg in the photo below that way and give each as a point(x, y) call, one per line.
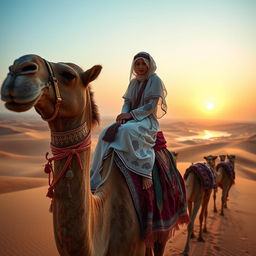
point(189, 212)
point(214, 200)
point(208, 196)
point(226, 202)
point(223, 199)
point(191, 223)
point(202, 213)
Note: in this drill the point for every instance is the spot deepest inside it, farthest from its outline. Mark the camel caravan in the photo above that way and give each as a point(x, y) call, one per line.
point(200, 180)
point(115, 220)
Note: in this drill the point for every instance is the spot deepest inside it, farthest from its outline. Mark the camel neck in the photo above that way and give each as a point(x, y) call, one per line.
point(72, 197)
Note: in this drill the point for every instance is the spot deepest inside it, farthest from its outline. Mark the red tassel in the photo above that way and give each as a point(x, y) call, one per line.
point(50, 192)
point(48, 168)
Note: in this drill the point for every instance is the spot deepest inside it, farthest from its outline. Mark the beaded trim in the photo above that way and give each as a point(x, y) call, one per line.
point(71, 137)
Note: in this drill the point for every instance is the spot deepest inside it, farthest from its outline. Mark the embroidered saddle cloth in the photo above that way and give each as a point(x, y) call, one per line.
point(161, 208)
point(204, 173)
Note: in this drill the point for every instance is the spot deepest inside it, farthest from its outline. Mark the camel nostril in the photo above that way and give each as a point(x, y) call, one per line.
point(29, 68)
point(25, 68)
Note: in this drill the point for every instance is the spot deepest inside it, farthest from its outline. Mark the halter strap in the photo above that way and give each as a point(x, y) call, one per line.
point(54, 83)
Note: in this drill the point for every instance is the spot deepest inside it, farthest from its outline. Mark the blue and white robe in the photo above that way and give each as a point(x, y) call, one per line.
point(136, 138)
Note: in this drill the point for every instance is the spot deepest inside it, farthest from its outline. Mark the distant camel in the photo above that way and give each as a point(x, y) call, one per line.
point(103, 224)
point(222, 158)
point(225, 176)
point(199, 180)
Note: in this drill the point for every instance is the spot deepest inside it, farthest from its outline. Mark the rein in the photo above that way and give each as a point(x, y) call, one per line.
point(67, 152)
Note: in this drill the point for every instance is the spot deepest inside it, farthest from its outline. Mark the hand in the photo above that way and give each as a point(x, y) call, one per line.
point(146, 183)
point(123, 117)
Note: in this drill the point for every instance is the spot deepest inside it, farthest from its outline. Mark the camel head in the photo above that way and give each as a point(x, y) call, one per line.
point(30, 83)
point(222, 158)
point(231, 158)
point(210, 160)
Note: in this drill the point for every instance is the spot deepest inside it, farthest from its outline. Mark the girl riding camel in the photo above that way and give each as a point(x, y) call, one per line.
point(133, 135)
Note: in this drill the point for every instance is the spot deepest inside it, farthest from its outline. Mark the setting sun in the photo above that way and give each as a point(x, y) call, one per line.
point(210, 106)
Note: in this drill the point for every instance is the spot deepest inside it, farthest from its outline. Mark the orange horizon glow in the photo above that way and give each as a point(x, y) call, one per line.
point(207, 62)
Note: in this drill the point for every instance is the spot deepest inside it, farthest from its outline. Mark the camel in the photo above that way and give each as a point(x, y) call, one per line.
point(225, 177)
point(197, 194)
point(222, 158)
point(104, 223)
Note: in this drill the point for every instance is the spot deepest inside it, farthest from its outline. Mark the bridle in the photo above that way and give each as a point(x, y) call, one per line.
point(58, 140)
point(53, 82)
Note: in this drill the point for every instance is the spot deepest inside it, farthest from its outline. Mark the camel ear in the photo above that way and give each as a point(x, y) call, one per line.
point(91, 74)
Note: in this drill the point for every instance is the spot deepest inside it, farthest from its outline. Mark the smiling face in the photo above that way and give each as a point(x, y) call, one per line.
point(140, 67)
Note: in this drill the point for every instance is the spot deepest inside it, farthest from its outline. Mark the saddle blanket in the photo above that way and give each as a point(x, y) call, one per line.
point(204, 173)
point(162, 207)
point(228, 167)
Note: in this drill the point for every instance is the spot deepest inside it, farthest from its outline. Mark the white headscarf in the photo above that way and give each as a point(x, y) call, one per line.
point(155, 87)
point(149, 62)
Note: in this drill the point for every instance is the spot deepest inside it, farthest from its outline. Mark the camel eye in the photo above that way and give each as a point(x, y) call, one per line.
point(68, 75)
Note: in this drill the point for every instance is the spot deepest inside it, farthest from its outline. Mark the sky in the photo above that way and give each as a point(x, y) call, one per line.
point(205, 50)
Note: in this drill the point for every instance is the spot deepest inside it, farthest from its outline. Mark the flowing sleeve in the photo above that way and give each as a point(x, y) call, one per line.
point(156, 89)
point(144, 111)
point(126, 106)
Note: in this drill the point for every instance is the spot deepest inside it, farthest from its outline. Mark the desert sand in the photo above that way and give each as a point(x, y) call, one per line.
point(26, 224)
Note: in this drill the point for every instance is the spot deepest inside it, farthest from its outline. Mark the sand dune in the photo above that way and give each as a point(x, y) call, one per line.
point(24, 207)
point(246, 172)
point(11, 184)
point(21, 165)
point(197, 152)
point(26, 224)
point(11, 156)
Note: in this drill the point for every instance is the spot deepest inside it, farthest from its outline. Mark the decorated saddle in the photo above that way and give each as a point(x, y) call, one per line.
point(162, 207)
point(229, 169)
point(204, 173)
